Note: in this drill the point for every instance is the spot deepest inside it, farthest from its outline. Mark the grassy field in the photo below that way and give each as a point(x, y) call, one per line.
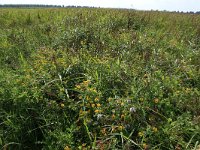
point(99, 79)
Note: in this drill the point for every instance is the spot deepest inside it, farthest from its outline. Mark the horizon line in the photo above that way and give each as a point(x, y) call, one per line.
point(65, 6)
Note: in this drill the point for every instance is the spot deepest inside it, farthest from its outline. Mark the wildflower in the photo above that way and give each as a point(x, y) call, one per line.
point(187, 90)
point(97, 111)
point(96, 99)
point(132, 110)
point(156, 100)
point(141, 99)
point(78, 86)
point(99, 116)
point(113, 110)
point(103, 131)
point(85, 83)
point(122, 104)
point(176, 93)
point(155, 129)
point(93, 105)
point(87, 98)
point(82, 42)
point(141, 134)
point(94, 90)
point(122, 116)
point(144, 145)
point(98, 105)
point(62, 105)
point(120, 128)
point(113, 116)
point(67, 148)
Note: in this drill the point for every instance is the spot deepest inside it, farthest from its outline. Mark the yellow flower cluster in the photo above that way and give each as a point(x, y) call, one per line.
point(155, 129)
point(84, 85)
point(141, 134)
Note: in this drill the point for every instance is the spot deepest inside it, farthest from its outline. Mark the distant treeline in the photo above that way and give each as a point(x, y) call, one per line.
point(62, 6)
point(188, 12)
point(38, 5)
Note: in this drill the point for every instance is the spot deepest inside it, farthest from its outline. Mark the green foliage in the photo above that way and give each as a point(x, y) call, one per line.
point(99, 79)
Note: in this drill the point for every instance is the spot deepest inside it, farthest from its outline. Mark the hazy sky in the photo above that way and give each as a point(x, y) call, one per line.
point(171, 5)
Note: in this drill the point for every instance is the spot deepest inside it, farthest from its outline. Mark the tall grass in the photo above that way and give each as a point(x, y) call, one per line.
point(99, 79)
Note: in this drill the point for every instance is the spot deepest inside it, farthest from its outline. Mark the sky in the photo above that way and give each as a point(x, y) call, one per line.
point(170, 5)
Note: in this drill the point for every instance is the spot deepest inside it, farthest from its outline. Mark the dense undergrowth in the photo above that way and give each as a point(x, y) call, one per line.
point(99, 79)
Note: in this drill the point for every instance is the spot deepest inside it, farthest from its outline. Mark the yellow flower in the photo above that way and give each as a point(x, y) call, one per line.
point(120, 128)
point(87, 98)
point(144, 145)
point(140, 134)
point(141, 99)
point(93, 90)
point(96, 99)
point(78, 86)
point(82, 42)
point(122, 104)
point(156, 100)
point(155, 129)
point(98, 105)
point(67, 148)
point(93, 105)
point(113, 116)
point(187, 90)
point(97, 111)
point(62, 105)
point(122, 116)
point(86, 83)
